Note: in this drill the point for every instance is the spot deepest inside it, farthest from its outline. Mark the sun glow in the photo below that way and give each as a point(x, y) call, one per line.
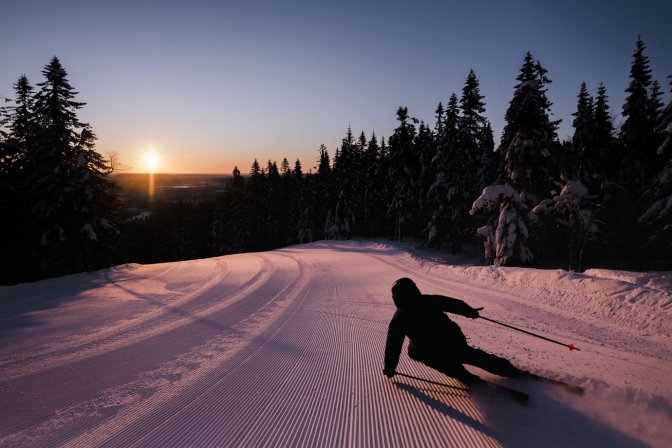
point(151, 161)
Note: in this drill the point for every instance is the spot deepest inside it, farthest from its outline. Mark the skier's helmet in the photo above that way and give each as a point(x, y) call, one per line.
point(404, 291)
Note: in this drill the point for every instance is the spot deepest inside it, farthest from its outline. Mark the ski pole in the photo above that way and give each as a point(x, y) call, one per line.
point(431, 382)
point(571, 346)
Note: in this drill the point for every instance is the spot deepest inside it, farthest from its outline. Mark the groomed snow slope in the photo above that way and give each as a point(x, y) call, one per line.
point(285, 348)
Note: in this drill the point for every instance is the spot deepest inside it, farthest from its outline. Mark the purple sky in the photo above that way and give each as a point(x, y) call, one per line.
point(212, 84)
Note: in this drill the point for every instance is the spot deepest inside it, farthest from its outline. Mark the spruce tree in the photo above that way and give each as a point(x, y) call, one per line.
point(506, 234)
point(425, 148)
point(404, 172)
point(324, 197)
point(603, 137)
point(657, 218)
point(529, 139)
point(582, 162)
point(638, 160)
point(16, 133)
point(306, 201)
point(472, 141)
point(440, 121)
point(348, 182)
point(489, 162)
point(275, 216)
point(72, 201)
point(529, 166)
point(374, 189)
point(21, 124)
point(637, 133)
point(445, 166)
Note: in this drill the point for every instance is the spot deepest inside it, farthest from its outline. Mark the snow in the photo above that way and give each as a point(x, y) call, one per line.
point(88, 230)
point(285, 348)
point(492, 193)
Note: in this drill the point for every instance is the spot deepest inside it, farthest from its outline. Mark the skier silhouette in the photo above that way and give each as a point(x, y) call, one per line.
point(435, 340)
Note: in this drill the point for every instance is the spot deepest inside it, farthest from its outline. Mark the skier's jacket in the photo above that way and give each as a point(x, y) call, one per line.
point(421, 317)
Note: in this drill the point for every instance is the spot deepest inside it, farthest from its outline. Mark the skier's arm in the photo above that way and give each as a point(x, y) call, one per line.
point(451, 305)
point(395, 339)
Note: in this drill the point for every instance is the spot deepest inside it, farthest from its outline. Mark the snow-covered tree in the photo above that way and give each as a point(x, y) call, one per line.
point(507, 240)
point(529, 139)
point(529, 165)
point(575, 212)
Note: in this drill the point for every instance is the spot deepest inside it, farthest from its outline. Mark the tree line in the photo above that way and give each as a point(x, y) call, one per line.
point(601, 198)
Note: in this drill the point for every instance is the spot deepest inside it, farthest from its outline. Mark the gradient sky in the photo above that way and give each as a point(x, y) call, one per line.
point(212, 84)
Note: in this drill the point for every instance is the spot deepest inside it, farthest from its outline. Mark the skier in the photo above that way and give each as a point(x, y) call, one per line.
point(435, 340)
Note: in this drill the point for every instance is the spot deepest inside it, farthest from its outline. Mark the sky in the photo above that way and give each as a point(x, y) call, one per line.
point(286, 348)
point(209, 85)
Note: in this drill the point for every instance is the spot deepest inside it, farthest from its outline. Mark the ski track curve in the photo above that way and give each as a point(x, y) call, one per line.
point(282, 348)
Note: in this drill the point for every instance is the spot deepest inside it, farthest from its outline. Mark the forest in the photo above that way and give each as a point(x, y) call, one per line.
point(600, 199)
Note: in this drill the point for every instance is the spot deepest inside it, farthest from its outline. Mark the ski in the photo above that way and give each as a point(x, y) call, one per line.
point(481, 385)
point(576, 390)
point(499, 390)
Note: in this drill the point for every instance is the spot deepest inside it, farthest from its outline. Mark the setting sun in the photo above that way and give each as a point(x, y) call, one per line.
point(151, 161)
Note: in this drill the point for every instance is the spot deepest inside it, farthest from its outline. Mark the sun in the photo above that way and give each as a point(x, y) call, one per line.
point(151, 161)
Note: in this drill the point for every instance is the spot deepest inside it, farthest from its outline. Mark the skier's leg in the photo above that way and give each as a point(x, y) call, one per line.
point(449, 368)
point(491, 363)
point(453, 370)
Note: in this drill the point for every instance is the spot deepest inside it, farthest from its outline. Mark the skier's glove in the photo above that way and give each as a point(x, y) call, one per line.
point(389, 373)
point(473, 313)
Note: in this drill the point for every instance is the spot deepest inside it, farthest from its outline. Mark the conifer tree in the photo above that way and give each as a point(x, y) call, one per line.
point(16, 133)
point(472, 141)
point(21, 119)
point(637, 133)
point(374, 186)
point(506, 236)
point(324, 201)
point(73, 203)
point(403, 174)
point(445, 165)
point(306, 201)
point(425, 148)
point(603, 138)
point(252, 213)
point(275, 216)
point(529, 139)
point(658, 216)
point(638, 165)
point(440, 121)
point(529, 150)
point(489, 162)
point(348, 181)
point(581, 162)
point(296, 201)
